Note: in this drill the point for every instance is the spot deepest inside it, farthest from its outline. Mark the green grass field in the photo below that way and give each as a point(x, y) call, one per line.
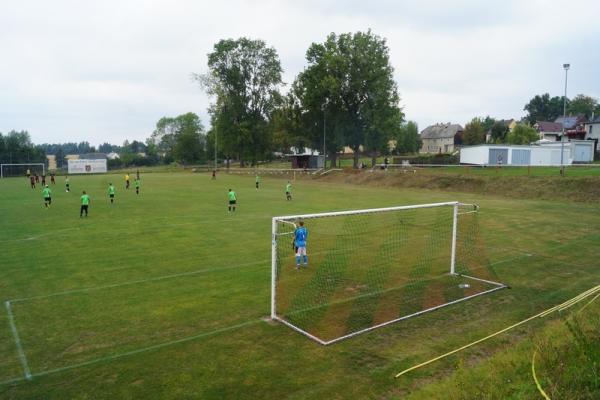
point(165, 294)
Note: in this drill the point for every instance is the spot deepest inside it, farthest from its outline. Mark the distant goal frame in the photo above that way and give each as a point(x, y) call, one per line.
point(452, 265)
point(21, 164)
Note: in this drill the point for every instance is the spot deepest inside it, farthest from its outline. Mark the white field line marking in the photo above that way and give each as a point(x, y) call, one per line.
point(158, 278)
point(137, 351)
point(39, 236)
point(13, 328)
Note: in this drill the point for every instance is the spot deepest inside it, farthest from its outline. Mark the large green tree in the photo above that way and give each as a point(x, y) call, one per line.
point(408, 140)
point(544, 108)
point(584, 105)
point(474, 132)
point(243, 76)
point(522, 134)
point(16, 147)
point(181, 139)
point(348, 92)
point(498, 132)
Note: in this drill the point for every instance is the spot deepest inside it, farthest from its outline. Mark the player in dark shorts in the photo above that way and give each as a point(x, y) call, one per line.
point(111, 193)
point(137, 185)
point(67, 186)
point(232, 200)
point(52, 180)
point(44, 180)
point(47, 196)
point(214, 174)
point(37, 178)
point(85, 203)
point(32, 181)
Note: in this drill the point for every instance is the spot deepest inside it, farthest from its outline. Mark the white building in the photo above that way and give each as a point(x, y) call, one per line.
point(441, 138)
point(580, 151)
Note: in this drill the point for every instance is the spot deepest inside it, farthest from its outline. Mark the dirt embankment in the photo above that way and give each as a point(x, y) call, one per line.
point(582, 189)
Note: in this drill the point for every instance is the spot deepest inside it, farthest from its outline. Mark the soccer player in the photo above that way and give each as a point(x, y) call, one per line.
point(47, 196)
point(32, 181)
point(85, 202)
point(288, 191)
point(257, 181)
point(43, 179)
point(67, 186)
point(52, 180)
point(111, 193)
point(300, 236)
point(232, 200)
point(37, 178)
point(126, 181)
point(214, 174)
point(137, 186)
point(28, 172)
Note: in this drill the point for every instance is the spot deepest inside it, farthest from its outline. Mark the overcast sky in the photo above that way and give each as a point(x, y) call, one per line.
point(108, 70)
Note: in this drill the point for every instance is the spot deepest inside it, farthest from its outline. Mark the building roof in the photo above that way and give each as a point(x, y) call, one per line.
point(92, 156)
point(571, 121)
point(594, 121)
point(546, 126)
point(439, 131)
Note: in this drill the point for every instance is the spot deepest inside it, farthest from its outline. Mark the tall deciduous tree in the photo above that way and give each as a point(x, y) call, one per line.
point(244, 77)
point(349, 92)
point(408, 139)
point(474, 132)
point(498, 132)
point(544, 108)
point(181, 138)
point(585, 105)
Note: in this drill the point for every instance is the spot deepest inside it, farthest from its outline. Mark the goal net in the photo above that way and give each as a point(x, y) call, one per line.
point(370, 268)
point(12, 170)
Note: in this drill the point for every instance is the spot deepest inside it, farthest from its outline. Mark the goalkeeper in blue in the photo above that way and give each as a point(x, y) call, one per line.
point(300, 237)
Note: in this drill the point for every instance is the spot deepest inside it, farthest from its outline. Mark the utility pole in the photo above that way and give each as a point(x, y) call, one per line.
point(562, 139)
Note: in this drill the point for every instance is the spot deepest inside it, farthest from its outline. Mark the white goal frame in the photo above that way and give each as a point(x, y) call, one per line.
point(451, 271)
point(32, 164)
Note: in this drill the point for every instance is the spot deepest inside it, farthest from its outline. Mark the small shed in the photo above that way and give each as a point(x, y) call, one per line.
point(307, 161)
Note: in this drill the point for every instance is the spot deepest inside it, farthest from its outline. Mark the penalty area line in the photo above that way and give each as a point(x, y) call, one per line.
point(139, 281)
point(21, 353)
point(134, 352)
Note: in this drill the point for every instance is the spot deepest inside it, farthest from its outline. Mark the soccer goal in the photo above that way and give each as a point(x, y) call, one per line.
point(8, 170)
point(370, 268)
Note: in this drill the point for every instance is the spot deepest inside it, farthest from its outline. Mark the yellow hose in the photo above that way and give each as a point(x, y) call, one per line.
point(559, 307)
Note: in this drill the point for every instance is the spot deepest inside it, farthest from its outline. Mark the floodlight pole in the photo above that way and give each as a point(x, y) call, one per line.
point(215, 148)
point(562, 139)
point(325, 132)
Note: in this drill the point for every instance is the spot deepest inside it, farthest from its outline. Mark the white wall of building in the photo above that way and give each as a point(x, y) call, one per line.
point(87, 166)
point(547, 154)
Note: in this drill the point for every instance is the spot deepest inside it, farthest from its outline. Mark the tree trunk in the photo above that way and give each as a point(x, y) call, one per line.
point(356, 156)
point(373, 159)
point(333, 160)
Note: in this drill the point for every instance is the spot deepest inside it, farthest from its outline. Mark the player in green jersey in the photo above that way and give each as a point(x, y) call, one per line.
point(288, 191)
point(232, 200)
point(85, 203)
point(257, 181)
point(67, 187)
point(111, 193)
point(47, 193)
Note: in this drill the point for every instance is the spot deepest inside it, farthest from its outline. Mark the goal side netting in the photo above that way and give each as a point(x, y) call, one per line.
point(370, 268)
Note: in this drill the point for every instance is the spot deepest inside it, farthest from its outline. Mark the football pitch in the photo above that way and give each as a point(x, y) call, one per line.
point(167, 295)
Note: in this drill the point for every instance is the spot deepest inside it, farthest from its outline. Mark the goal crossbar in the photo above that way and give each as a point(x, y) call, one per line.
point(288, 220)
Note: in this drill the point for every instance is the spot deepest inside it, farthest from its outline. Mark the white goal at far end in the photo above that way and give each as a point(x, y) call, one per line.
point(345, 283)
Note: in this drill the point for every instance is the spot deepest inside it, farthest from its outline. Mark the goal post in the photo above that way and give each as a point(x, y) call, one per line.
point(374, 267)
point(22, 168)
